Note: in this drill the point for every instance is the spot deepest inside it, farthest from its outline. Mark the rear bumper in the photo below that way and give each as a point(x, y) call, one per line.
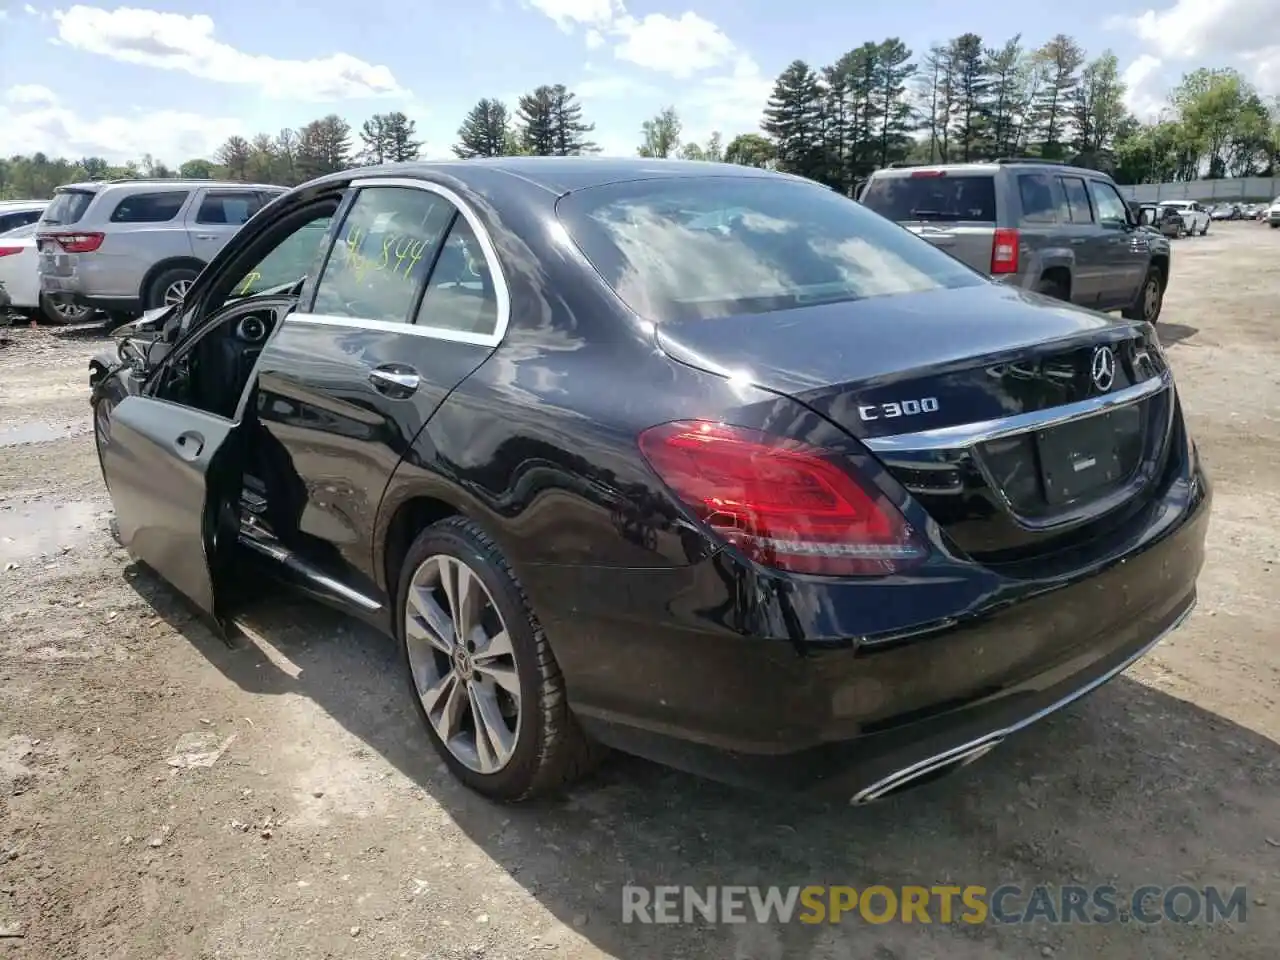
point(680, 666)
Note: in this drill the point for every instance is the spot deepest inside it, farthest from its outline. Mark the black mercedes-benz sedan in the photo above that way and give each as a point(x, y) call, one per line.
point(701, 462)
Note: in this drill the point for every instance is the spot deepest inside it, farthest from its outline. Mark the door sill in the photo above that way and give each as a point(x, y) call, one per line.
point(308, 576)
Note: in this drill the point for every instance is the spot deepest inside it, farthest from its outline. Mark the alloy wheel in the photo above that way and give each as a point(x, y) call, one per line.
point(1150, 298)
point(71, 312)
point(463, 663)
point(176, 292)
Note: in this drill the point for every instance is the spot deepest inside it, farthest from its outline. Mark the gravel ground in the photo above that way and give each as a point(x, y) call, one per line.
point(327, 828)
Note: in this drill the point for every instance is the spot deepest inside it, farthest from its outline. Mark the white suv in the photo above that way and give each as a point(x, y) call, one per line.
point(126, 246)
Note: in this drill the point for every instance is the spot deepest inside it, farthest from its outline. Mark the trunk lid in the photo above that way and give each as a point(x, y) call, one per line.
point(960, 393)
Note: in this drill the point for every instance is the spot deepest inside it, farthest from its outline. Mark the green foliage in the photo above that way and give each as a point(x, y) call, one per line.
point(876, 104)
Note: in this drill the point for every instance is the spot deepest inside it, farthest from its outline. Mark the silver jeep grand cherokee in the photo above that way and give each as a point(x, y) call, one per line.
point(125, 246)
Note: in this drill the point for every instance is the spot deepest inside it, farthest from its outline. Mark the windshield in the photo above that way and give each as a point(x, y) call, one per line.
point(686, 248)
point(933, 196)
point(67, 206)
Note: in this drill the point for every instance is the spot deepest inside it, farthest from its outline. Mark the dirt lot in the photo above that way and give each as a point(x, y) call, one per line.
point(327, 828)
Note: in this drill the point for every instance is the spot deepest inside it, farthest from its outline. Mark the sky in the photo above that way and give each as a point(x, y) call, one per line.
point(174, 78)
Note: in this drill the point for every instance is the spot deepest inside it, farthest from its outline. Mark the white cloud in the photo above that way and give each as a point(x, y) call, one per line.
point(724, 88)
point(171, 41)
point(680, 47)
point(1146, 92)
point(30, 10)
point(1189, 33)
point(32, 93)
point(34, 120)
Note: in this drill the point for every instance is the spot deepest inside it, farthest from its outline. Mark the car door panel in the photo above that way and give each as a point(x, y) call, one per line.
point(170, 469)
point(342, 435)
point(346, 386)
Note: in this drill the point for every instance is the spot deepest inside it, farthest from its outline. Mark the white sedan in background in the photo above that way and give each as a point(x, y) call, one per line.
point(1195, 218)
point(22, 282)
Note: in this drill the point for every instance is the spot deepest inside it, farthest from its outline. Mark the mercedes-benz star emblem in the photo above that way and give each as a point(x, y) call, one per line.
point(1104, 368)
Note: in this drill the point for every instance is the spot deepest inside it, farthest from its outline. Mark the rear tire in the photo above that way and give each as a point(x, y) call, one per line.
point(60, 315)
point(1149, 300)
point(170, 286)
point(1205, 231)
point(548, 751)
point(1053, 287)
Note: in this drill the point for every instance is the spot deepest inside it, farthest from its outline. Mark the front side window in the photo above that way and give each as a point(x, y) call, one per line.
point(386, 245)
point(287, 262)
point(678, 249)
point(460, 294)
point(1111, 208)
point(228, 208)
point(149, 207)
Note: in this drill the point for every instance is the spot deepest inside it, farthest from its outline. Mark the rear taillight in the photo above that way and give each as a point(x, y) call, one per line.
point(928, 173)
point(76, 242)
point(1004, 251)
point(783, 503)
point(9, 251)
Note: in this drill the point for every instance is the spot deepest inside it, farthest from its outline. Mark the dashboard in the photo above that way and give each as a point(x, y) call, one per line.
point(212, 373)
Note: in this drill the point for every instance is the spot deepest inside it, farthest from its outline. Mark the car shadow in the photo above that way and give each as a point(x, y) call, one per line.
point(1171, 333)
point(1128, 787)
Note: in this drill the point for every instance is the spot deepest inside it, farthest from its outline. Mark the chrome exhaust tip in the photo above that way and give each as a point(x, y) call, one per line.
point(925, 770)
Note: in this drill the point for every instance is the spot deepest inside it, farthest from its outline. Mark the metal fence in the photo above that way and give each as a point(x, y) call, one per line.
point(1235, 188)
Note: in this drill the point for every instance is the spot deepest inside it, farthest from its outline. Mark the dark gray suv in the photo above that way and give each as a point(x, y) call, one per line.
point(1061, 230)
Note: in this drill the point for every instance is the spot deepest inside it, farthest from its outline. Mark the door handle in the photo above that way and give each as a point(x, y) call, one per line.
point(394, 381)
point(206, 236)
point(189, 445)
point(1077, 241)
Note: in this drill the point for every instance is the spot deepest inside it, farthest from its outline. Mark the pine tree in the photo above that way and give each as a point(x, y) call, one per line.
point(484, 131)
point(793, 118)
point(894, 71)
point(1061, 58)
point(400, 132)
point(324, 146)
point(971, 86)
point(569, 132)
point(536, 114)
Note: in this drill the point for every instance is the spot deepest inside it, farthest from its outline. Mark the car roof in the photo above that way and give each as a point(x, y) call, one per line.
point(990, 167)
point(560, 175)
point(175, 182)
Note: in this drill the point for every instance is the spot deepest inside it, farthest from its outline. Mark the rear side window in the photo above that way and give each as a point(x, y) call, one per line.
point(460, 294)
point(1036, 192)
point(682, 249)
point(1076, 201)
point(149, 207)
point(385, 247)
point(228, 208)
point(927, 195)
point(67, 206)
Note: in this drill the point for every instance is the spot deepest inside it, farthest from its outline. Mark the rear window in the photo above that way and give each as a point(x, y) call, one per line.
point(68, 206)
point(149, 207)
point(683, 249)
point(928, 196)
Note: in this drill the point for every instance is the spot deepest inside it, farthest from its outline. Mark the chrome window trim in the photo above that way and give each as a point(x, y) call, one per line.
point(501, 291)
point(970, 434)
